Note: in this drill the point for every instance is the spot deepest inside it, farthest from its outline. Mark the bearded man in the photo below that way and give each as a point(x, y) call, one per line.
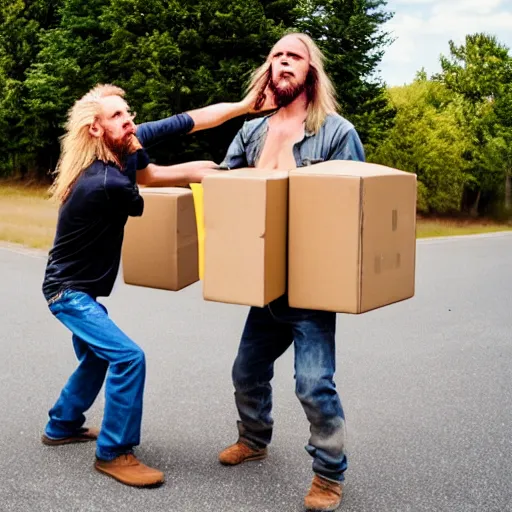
point(96, 186)
point(305, 130)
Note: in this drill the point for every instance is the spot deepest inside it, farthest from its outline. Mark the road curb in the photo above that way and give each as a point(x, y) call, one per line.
point(25, 251)
point(496, 234)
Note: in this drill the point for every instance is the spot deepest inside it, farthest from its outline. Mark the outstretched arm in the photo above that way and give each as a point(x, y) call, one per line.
point(153, 132)
point(179, 175)
point(215, 115)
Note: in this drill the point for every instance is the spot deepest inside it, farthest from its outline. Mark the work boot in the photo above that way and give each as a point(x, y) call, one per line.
point(240, 452)
point(128, 470)
point(81, 436)
point(324, 495)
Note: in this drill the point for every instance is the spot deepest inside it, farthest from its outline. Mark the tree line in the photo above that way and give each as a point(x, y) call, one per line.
point(452, 129)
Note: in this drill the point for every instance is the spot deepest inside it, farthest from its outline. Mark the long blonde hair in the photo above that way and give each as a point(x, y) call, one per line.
point(320, 90)
point(79, 148)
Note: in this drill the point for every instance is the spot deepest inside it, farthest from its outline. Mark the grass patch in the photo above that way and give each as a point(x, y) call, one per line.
point(27, 217)
point(14, 189)
point(430, 228)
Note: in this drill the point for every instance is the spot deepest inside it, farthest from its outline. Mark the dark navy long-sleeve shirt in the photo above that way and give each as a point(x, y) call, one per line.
point(86, 251)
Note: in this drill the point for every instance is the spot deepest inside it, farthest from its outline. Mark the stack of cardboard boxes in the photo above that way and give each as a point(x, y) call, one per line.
point(336, 236)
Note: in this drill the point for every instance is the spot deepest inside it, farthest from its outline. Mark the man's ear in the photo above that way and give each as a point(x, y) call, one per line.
point(96, 130)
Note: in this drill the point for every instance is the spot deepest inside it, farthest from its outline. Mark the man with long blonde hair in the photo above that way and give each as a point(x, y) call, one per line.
point(306, 129)
point(103, 157)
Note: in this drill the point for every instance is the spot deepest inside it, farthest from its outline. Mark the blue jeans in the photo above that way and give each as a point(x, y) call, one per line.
point(268, 332)
point(100, 346)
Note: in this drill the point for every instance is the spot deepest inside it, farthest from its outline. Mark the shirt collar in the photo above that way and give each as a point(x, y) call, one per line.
point(264, 127)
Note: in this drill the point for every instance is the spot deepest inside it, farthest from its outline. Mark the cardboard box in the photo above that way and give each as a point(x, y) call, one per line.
point(160, 248)
point(352, 236)
point(245, 223)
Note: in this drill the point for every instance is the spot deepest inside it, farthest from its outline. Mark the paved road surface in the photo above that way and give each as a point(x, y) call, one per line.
point(426, 385)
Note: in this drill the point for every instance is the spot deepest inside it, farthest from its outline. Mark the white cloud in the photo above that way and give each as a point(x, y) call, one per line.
point(422, 29)
point(416, 2)
point(471, 7)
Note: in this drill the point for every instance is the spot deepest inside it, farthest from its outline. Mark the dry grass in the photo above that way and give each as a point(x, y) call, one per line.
point(428, 228)
point(27, 217)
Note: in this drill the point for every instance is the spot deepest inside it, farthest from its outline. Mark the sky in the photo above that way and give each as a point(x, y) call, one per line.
point(423, 28)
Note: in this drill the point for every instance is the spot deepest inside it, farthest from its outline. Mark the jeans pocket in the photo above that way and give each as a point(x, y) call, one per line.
point(54, 303)
point(58, 301)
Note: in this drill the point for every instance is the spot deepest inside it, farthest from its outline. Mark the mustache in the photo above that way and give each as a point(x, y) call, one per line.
point(130, 131)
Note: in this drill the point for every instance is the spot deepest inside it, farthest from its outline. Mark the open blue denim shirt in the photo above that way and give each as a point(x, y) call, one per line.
point(337, 139)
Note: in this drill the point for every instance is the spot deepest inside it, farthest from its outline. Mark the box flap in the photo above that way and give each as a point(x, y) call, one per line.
point(248, 173)
point(347, 168)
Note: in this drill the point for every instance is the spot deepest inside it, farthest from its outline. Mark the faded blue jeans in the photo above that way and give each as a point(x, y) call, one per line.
point(100, 347)
point(268, 332)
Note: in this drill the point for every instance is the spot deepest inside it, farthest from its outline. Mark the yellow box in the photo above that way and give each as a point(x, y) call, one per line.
point(197, 192)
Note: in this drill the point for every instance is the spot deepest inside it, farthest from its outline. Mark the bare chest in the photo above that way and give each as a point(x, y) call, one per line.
point(277, 152)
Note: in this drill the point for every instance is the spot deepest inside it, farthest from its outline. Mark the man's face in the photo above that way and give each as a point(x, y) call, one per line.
point(118, 126)
point(290, 67)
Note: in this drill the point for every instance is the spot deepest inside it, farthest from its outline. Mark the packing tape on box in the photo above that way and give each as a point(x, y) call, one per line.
point(197, 192)
point(385, 263)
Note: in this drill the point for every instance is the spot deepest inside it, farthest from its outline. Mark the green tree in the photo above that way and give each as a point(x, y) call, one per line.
point(480, 71)
point(428, 139)
point(22, 23)
point(168, 56)
point(171, 56)
point(350, 34)
point(496, 157)
point(183, 56)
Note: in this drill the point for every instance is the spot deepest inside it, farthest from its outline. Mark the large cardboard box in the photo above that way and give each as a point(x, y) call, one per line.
point(160, 248)
point(245, 225)
point(352, 236)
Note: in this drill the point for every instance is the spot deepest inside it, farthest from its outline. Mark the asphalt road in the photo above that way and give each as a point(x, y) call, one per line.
point(426, 386)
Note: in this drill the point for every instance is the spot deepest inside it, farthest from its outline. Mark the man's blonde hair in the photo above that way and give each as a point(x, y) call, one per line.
point(320, 90)
point(79, 148)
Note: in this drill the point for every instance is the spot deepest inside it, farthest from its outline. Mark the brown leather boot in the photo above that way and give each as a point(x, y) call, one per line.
point(240, 452)
point(324, 495)
point(128, 470)
point(82, 436)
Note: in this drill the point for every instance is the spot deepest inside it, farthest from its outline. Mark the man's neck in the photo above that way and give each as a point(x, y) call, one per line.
point(296, 110)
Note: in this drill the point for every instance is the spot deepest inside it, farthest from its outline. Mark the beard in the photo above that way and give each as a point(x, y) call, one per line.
point(121, 148)
point(285, 94)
